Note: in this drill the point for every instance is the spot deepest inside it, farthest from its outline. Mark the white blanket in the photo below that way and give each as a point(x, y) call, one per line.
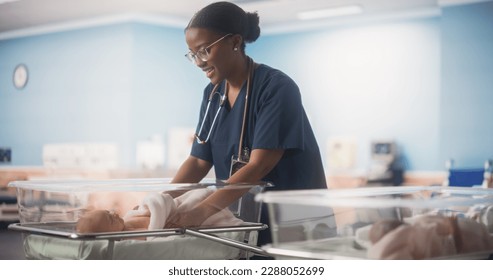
point(161, 206)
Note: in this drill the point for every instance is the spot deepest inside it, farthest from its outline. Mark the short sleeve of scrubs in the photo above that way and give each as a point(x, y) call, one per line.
point(203, 151)
point(279, 114)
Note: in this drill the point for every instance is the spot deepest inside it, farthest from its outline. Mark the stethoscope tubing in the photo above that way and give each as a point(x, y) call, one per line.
point(222, 99)
point(221, 104)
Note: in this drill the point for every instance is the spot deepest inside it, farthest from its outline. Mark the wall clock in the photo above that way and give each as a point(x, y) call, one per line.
point(21, 76)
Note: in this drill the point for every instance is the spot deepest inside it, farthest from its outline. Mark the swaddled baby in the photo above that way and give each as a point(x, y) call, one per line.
point(428, 236)
point(95, 221)
point(153, 213)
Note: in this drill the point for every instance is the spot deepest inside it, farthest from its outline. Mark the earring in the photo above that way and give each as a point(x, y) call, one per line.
point(235, 49)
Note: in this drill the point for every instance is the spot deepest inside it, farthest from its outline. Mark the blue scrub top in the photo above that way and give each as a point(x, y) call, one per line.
point(276, 120)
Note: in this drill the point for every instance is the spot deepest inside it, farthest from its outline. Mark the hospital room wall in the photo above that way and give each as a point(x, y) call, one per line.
point(118, 84)
point(368, 82)
point(166, 86)
point(125, 82)
point(78, 90)
point(425, 83)
point(467, 84)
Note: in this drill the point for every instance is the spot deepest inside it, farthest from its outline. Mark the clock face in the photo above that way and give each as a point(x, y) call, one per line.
point(20, 76)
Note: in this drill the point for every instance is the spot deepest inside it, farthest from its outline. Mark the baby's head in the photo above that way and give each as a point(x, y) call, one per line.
point(99, 221)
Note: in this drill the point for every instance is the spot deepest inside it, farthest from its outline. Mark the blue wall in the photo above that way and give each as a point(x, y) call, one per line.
point(166, 86)
point(78, 90)
point(467, 84)
point(424, 82)
point(379, 81)
point(119, 84)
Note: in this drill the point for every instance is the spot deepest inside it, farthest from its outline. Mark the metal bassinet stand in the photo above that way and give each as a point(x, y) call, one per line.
point(49, 210)
point(64, 230)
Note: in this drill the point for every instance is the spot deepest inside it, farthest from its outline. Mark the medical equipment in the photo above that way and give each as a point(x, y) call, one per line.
point(385, 166)
point(49, 211)
point(222, 99)
point(243, 156)
point(241, 159)
point(343, 231)
point(238, 162)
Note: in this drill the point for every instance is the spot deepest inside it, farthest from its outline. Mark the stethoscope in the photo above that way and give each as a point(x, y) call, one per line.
point(222, 99)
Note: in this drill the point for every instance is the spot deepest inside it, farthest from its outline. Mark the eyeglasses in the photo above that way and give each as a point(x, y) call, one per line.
point(203, 54)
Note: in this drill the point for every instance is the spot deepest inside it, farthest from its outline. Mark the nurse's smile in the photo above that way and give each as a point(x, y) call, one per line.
point(209, 71)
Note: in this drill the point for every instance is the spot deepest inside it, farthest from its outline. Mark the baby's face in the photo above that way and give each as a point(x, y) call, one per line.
point(99, 221)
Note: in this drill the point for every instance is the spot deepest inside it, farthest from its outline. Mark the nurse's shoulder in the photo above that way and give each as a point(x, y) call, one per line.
point(272, 80)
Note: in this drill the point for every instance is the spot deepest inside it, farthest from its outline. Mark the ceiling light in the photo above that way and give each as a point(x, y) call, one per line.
point(7, 1)
point(332, 12)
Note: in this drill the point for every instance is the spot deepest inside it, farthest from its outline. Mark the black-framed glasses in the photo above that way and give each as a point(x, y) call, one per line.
point(203, 54)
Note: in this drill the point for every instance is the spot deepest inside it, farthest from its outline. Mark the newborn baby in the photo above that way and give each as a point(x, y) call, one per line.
point(152, 213)
point(426, 237)
point(104, 221)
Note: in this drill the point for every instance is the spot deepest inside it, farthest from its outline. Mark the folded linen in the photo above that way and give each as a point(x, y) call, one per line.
point(161, 206)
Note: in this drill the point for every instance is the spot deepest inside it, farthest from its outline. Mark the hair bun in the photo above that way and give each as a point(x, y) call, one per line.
point(253, 28)
point(226, 17)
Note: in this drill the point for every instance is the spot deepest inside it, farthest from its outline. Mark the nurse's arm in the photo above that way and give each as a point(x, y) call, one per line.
point(262, 161)
point(192, 170)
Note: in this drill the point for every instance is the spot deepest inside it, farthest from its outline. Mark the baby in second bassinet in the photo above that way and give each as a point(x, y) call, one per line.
point(153, 213)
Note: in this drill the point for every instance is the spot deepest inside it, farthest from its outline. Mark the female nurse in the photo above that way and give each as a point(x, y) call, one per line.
point(251, 116)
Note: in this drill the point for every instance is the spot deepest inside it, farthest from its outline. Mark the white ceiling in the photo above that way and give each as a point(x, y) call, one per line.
point(17, 16)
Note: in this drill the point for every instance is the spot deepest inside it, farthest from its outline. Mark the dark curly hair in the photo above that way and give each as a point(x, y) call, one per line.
point(226, 17)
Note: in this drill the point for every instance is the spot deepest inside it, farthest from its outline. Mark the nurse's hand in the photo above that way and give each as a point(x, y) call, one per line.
point(188, 219)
